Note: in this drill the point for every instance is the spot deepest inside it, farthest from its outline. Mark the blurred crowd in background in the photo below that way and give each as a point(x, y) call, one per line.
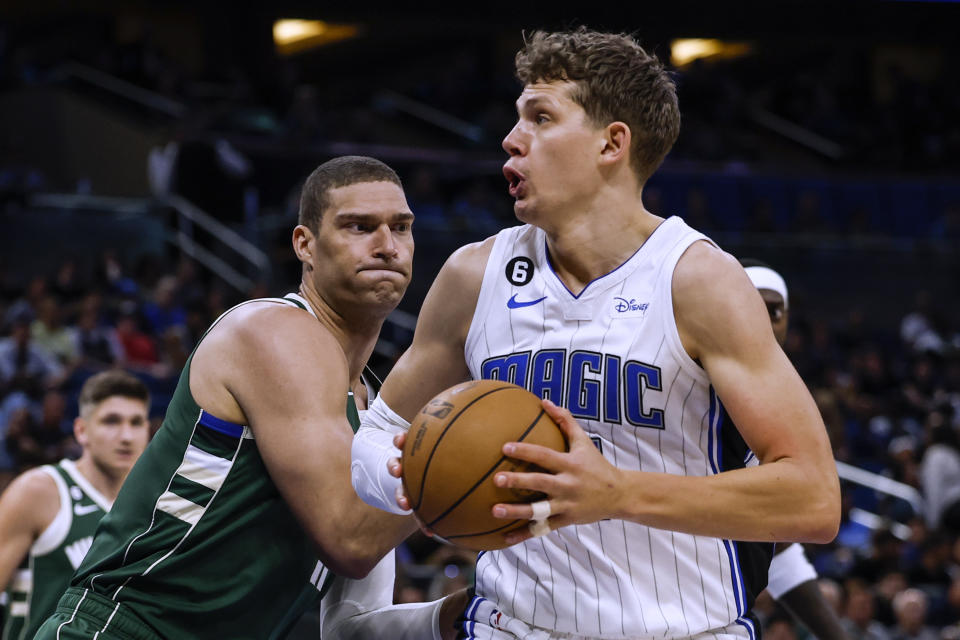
point(877, 163)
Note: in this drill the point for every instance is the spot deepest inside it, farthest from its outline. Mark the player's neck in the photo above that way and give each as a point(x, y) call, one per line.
point(589, 244)
point(357, 334)
point(104, 481)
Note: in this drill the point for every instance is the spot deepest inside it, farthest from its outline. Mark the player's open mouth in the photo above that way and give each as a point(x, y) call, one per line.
point(516, 181)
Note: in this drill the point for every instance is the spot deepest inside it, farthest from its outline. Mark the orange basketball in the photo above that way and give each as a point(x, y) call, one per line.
point(453, 450)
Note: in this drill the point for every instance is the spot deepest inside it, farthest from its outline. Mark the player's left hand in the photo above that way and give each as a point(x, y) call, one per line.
point(395, 469)
point(581, 486)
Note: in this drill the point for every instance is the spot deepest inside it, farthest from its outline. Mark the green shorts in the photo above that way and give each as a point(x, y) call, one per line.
point(83, 615)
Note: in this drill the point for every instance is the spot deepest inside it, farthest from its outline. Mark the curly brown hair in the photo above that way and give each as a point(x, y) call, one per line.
point(616, 80)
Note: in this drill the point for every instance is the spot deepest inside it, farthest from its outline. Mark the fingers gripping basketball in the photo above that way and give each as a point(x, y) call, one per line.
point(453, 450)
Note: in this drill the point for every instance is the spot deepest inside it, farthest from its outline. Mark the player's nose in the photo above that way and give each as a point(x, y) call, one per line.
point(513, 141)
point(385, 245)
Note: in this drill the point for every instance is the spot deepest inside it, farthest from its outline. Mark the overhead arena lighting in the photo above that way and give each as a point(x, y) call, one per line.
point(292, 36)
point(683, 51)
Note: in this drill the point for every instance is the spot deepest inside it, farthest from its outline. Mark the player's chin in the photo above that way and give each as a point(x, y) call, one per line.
point(386, 293)
point(523, 209)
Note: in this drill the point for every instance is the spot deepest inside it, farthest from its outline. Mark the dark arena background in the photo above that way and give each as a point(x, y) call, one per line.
point(151, 156)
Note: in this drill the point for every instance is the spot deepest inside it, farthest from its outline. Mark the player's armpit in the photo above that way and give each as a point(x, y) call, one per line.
point(27, 507)
point(435, 359)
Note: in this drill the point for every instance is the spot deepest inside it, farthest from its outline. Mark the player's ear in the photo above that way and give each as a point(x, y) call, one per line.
point(615, 143)
point(303, 244)
point(80, 431)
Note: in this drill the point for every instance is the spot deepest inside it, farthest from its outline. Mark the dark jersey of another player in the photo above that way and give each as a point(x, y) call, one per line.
point(46, 570)
point(200, 543)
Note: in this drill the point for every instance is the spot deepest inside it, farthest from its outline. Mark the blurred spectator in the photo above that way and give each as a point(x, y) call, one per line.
point(139, 349)
point(859, 622)
point(940, 475)
point(779, 627)
point(164, 311)
point(24, 365)
point(97, 344)
point(26, 306)
point(48, 332)
point(918, 329)
point(931, 570)
point(33, 441)
point(833, 594)
point(910, 609)
point(67, 284)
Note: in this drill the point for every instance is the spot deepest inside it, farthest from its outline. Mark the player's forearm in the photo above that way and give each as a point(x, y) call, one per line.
point(358, 536)
point(779, 501)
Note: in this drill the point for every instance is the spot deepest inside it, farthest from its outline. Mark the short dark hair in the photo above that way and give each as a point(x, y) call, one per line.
point(338, 172)
point(107, 384)
point(616, 80)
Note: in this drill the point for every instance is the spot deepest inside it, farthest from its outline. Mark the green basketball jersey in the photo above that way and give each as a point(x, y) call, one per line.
point(45, 573)
point(200, 543)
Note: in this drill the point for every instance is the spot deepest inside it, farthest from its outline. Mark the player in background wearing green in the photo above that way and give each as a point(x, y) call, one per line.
point(792, 579)
point(241, 511)
point(49, 514)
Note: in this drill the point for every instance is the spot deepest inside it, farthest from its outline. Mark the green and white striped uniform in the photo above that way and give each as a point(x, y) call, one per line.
point(200, 544)
point(46, 571)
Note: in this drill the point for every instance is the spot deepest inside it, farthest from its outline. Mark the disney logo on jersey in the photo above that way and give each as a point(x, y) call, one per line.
point(624, 308)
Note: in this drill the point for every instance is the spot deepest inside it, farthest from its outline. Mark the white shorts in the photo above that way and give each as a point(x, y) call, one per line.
point(483, 621)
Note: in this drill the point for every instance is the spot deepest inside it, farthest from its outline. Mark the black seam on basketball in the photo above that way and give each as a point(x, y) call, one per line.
point(426, 467)
point(484, 533)
point(523, 435)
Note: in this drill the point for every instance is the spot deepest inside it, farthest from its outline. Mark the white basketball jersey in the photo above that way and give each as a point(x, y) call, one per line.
point(613, 357)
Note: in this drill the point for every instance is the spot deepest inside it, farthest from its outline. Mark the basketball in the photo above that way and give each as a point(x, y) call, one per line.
point(453, 450)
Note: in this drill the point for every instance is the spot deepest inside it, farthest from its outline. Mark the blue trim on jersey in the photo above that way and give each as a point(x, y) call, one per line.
point(748, 624)
point(546, 252)
point(469, 624)
point(716, 463)
point(736, 576)
point(713, 431)
point(213, 422)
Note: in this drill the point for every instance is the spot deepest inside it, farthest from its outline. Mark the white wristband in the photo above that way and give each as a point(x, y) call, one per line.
point(372, 448)
point(789, 569)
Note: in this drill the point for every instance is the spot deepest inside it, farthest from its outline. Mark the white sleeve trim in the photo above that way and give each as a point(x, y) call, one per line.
point(56, 532)
point(371, 449)
point(788, 570)
point(362, 609)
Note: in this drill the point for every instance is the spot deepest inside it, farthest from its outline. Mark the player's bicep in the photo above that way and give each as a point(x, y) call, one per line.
point(24, 507)
point(292, 387)
point(723, 320)
point(768, 403)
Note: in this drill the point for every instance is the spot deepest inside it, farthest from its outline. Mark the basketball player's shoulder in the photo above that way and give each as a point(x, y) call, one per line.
point(704, 269)
point(32, 498)
point(467, 264)
point(263, 320)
